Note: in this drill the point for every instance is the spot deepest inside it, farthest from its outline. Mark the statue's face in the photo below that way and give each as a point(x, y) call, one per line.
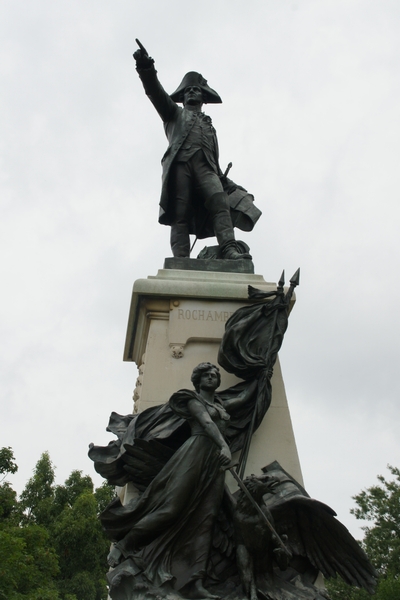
point(192, 95)
point(209, 380)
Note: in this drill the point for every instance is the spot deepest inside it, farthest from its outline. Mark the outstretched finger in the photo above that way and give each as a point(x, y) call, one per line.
point(143, 49)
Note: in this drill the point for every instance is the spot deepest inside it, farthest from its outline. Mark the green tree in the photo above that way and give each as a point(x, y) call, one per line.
point(28, 564)
point(7, 462)
point(380, 505)
point(52, 546)
point(339, 590)
point(8, 503)
point(82, 549)
point(74, 486)
point(8, 498)
point(36, 500)
point(104, 494)
point(79, 540)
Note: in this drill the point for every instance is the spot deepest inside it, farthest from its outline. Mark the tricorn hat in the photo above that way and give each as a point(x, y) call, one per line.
point(192, 78)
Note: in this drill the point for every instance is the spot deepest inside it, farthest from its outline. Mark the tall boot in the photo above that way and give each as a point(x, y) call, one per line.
point(218, 207)
point(180, 240)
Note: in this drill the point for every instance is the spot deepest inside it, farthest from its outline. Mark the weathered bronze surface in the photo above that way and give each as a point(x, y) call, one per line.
point(196, 196)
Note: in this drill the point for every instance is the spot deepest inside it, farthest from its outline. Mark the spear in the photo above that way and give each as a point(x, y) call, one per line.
point(294, 282)
point(246, 447)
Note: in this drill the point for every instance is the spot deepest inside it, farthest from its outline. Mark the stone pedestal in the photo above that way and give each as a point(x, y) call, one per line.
point(177, 320)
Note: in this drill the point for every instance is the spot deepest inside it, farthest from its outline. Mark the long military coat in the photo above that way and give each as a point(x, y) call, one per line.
point(177, 125)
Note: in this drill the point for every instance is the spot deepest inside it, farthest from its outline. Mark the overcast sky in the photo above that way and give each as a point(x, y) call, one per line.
point(311, 121)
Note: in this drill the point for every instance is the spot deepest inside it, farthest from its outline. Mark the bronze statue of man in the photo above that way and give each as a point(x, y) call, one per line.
point(194, 196)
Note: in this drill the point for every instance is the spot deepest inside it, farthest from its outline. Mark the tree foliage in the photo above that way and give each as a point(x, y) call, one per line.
point(78, 528)
point(7, 462)
point(51, 543)
point(8, 502)
point(8, 497)
point(380, 505)
point(37, 497)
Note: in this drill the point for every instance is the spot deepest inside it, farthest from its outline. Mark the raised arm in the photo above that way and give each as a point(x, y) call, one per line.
point(162, 102)
point(199, 413)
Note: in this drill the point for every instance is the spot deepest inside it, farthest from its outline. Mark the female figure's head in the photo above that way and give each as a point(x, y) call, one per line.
point(202, 370)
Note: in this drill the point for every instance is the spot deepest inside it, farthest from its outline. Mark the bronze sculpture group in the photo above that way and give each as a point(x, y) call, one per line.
point(184, 535)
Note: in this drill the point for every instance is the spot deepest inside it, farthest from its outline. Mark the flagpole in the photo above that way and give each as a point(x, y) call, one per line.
point(259, 511)
point(294, 281)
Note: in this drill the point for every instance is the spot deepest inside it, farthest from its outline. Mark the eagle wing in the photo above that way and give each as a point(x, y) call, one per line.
point(314, 533)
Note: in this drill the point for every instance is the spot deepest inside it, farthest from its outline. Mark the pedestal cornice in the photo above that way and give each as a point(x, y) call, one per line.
point(155, 293)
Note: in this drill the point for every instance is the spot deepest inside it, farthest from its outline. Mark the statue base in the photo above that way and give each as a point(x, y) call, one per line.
point(210, 265)
point(177, 320)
